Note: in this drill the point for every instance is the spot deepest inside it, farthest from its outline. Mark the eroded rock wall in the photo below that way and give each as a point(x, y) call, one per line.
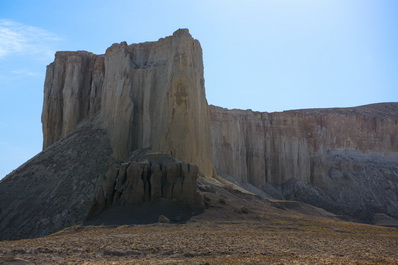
point(310, 148)
point(274, 147)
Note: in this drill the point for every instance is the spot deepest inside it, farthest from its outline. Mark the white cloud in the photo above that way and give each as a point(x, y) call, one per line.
point(25, 72)
point(20, 39)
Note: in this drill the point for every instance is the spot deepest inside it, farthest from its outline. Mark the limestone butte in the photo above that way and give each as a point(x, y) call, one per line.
point(146, 95)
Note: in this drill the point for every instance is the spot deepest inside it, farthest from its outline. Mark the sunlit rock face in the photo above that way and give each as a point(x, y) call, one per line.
point(345, 160)
point(147, 95)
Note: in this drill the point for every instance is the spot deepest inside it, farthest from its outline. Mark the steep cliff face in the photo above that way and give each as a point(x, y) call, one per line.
point(333, 158)
point(148, 95)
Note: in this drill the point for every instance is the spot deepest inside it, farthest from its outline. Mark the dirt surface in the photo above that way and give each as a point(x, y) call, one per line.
point(236, 228)
point(282, 241)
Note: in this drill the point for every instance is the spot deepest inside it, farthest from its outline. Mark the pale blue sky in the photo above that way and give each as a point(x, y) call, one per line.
point(266, 55)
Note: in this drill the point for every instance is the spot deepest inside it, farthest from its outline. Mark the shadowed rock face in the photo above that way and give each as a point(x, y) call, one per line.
point(345, 160)
point(148, 178)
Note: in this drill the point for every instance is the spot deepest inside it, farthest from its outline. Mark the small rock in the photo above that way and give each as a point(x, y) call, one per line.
point(206, 188)
point(163, 219)
point(222, 201)
point(244, 210)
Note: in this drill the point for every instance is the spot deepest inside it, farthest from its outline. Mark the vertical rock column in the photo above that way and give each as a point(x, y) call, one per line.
point(71, 93)
point(117, 106)
point(153, 96)
point(188, 123)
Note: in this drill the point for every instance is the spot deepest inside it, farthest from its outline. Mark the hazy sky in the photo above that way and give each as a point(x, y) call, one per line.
point(266, 55)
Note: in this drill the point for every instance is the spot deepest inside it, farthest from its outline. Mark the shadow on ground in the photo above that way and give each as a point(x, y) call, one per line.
point(144, 213)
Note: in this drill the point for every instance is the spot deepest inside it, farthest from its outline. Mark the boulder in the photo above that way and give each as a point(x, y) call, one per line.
point(163, 219)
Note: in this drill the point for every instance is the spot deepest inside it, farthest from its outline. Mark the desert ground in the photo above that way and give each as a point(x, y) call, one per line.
point(236, 228)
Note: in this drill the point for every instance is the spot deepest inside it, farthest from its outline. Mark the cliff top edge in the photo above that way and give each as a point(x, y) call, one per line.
point(180, 33)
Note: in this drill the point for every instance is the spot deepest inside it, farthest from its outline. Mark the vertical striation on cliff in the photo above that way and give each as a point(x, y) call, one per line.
point(71, 92)
point(281, 145)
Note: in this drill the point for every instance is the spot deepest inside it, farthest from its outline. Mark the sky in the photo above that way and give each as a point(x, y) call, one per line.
point(264, 55)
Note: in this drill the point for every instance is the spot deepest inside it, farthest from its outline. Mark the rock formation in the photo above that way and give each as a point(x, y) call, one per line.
point(133, 126)
point(148, 96)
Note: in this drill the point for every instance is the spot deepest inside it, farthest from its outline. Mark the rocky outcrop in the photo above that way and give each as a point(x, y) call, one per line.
point(345, 160)
point(147, 95)
point(152, 177)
